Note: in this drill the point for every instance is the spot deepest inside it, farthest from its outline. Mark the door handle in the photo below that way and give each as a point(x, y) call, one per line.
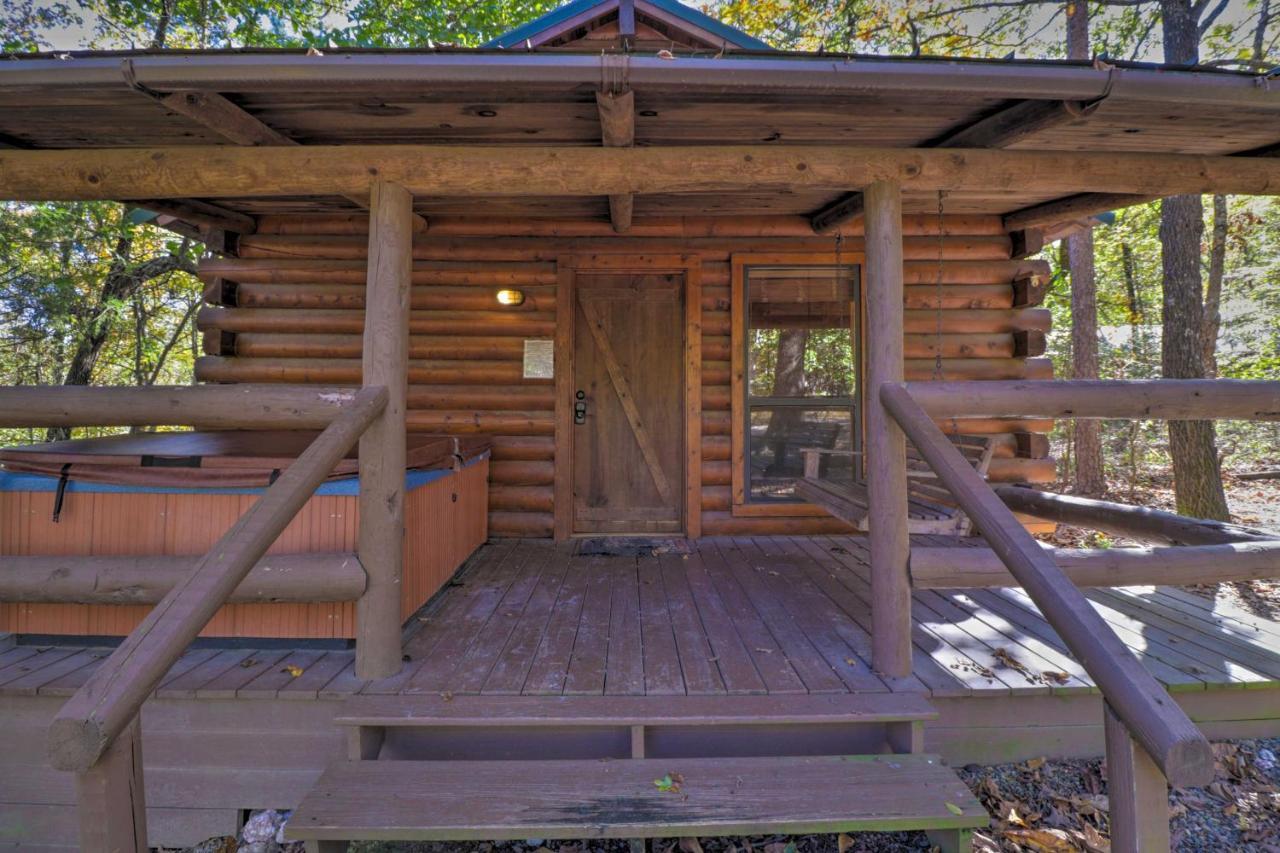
point(580, 408)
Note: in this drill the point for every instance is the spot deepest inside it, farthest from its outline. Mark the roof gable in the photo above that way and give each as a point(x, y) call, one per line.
point(644, 24)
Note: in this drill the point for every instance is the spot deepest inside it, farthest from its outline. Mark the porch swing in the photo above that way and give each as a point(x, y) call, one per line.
point(931, 509)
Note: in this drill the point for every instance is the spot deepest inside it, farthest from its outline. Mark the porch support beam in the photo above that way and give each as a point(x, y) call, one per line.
point(618, 130)
point(840, 211)
point(110, 800)
point(446, 170)
point(1139, 792)
point(886, 446)
point(382, 447)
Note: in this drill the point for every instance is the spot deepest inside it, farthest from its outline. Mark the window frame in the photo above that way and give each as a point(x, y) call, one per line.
point(740, 407)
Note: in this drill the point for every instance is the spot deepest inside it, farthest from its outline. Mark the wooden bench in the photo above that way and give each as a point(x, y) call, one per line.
point(930, 506)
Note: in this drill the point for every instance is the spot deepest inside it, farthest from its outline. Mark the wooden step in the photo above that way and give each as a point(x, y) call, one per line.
point(498, 800)
point(436, 710)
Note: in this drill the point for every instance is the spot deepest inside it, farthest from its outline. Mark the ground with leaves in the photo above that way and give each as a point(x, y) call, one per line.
point(1036, 806)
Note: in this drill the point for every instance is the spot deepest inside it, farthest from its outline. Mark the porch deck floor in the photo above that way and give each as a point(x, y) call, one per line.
point(731, 616)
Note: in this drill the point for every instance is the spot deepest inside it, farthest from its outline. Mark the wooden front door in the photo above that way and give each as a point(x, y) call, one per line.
point(628, 389)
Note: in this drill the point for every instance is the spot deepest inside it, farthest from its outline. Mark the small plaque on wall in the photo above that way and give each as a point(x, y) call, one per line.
point(539, 359)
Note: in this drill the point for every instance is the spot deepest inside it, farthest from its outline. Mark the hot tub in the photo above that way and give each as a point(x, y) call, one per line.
point(177, 493)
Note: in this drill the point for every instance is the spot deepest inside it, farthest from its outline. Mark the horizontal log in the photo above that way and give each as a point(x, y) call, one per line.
point(145, 580)
point(529, 324)
point(1133, 522)
point(346, 371)
point(716, 498)
point(308, 270)
point(1019, 470)
point(961, 568)
point(525, 447)
point(212, 407)
point(1167, 399)
point(472, 422)
point(524, 524)
point(717, 523)
point(330, 345)
point(521, 473)
point(990, 248)
point(438, 297)
point(476, 170)
point(521, 498)
point(655, 226)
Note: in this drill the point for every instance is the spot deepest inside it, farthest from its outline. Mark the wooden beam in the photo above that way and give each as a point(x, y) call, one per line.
point(1140, 701)
point(1138, 791)
point(1158, 399)
point(886, 447)
point(842, 210)
point(1132, 522)
point(1072, 207)
point(109, 701)
point(110, 797)
point(449, 170)
point(201, 213)
point(969, 568)
point(147, 580)
point(382, 449)
point(201, 406)
point(1015, 123)
point(618, 130)
point(214, 112)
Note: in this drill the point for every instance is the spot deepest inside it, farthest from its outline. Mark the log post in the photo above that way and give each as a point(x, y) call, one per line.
point(1138, 792)
point(382, 448)
point(111, 806)
point(886, 446)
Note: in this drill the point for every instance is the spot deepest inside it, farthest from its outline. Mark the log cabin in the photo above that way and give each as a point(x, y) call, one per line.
point(623, 389)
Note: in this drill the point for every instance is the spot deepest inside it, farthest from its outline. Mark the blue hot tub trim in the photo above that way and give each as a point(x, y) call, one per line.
point(347, 486)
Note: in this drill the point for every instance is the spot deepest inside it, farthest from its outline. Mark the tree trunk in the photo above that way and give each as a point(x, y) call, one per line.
point(1213, 296)
point(1197, 473)
point(788, 381)
point(1090, 478)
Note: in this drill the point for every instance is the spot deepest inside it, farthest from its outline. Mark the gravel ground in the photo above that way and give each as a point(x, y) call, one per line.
point(1037, 805)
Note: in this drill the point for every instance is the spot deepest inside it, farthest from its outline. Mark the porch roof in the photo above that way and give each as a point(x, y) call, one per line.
point(453, 96)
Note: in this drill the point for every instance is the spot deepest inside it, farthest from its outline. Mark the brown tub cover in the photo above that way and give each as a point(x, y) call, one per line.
point(232, 458)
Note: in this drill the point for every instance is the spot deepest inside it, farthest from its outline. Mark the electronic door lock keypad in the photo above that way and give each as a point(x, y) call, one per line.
point(580, 408)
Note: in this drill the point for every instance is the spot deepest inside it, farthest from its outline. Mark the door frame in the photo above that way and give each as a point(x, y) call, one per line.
point(567, 269)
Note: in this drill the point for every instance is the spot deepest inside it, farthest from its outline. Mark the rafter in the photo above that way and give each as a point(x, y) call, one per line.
point(224, 118)
point(202, 213)
point(1075, 206)
point(618, 130)
point(998, 130)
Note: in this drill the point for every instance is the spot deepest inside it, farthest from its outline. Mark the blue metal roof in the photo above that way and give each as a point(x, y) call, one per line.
point(572, 9)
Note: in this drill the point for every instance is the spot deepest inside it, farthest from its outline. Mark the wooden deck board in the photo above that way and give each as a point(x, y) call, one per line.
point(767, 615)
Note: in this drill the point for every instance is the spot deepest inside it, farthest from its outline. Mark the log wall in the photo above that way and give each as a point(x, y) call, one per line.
point(289, 308)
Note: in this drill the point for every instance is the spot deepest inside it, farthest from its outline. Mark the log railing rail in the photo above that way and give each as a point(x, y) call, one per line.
point(1150, 740)
point(96, 733)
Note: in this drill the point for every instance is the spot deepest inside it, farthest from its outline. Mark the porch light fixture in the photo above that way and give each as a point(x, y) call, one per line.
point(511, 297)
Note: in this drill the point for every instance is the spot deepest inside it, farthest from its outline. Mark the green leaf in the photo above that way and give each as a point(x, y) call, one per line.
point(954, 809)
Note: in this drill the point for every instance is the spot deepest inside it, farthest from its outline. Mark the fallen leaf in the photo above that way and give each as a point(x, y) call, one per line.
point(1035, 763)
point(248, 662)
point(843, 843)
point(954, 809)
point(1042, 840)
point(292, 669)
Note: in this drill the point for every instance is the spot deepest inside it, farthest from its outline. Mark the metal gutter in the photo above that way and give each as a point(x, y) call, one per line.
point(782, 75)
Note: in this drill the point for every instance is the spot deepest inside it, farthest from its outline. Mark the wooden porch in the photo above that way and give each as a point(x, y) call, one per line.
point(720, 616)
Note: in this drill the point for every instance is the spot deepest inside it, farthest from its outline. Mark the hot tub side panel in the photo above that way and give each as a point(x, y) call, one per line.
point(445, 521)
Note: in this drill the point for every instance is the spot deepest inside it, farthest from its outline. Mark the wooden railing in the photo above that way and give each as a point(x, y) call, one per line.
point(96, 734)
point(1150, 741)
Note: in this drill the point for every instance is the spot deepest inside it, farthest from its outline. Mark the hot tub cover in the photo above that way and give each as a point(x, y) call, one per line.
point(211, 459)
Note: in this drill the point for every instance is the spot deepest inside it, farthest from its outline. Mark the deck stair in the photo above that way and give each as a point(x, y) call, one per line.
point(471, 768)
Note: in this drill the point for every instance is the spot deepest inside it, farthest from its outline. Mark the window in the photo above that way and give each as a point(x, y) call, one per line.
point(799, 344)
